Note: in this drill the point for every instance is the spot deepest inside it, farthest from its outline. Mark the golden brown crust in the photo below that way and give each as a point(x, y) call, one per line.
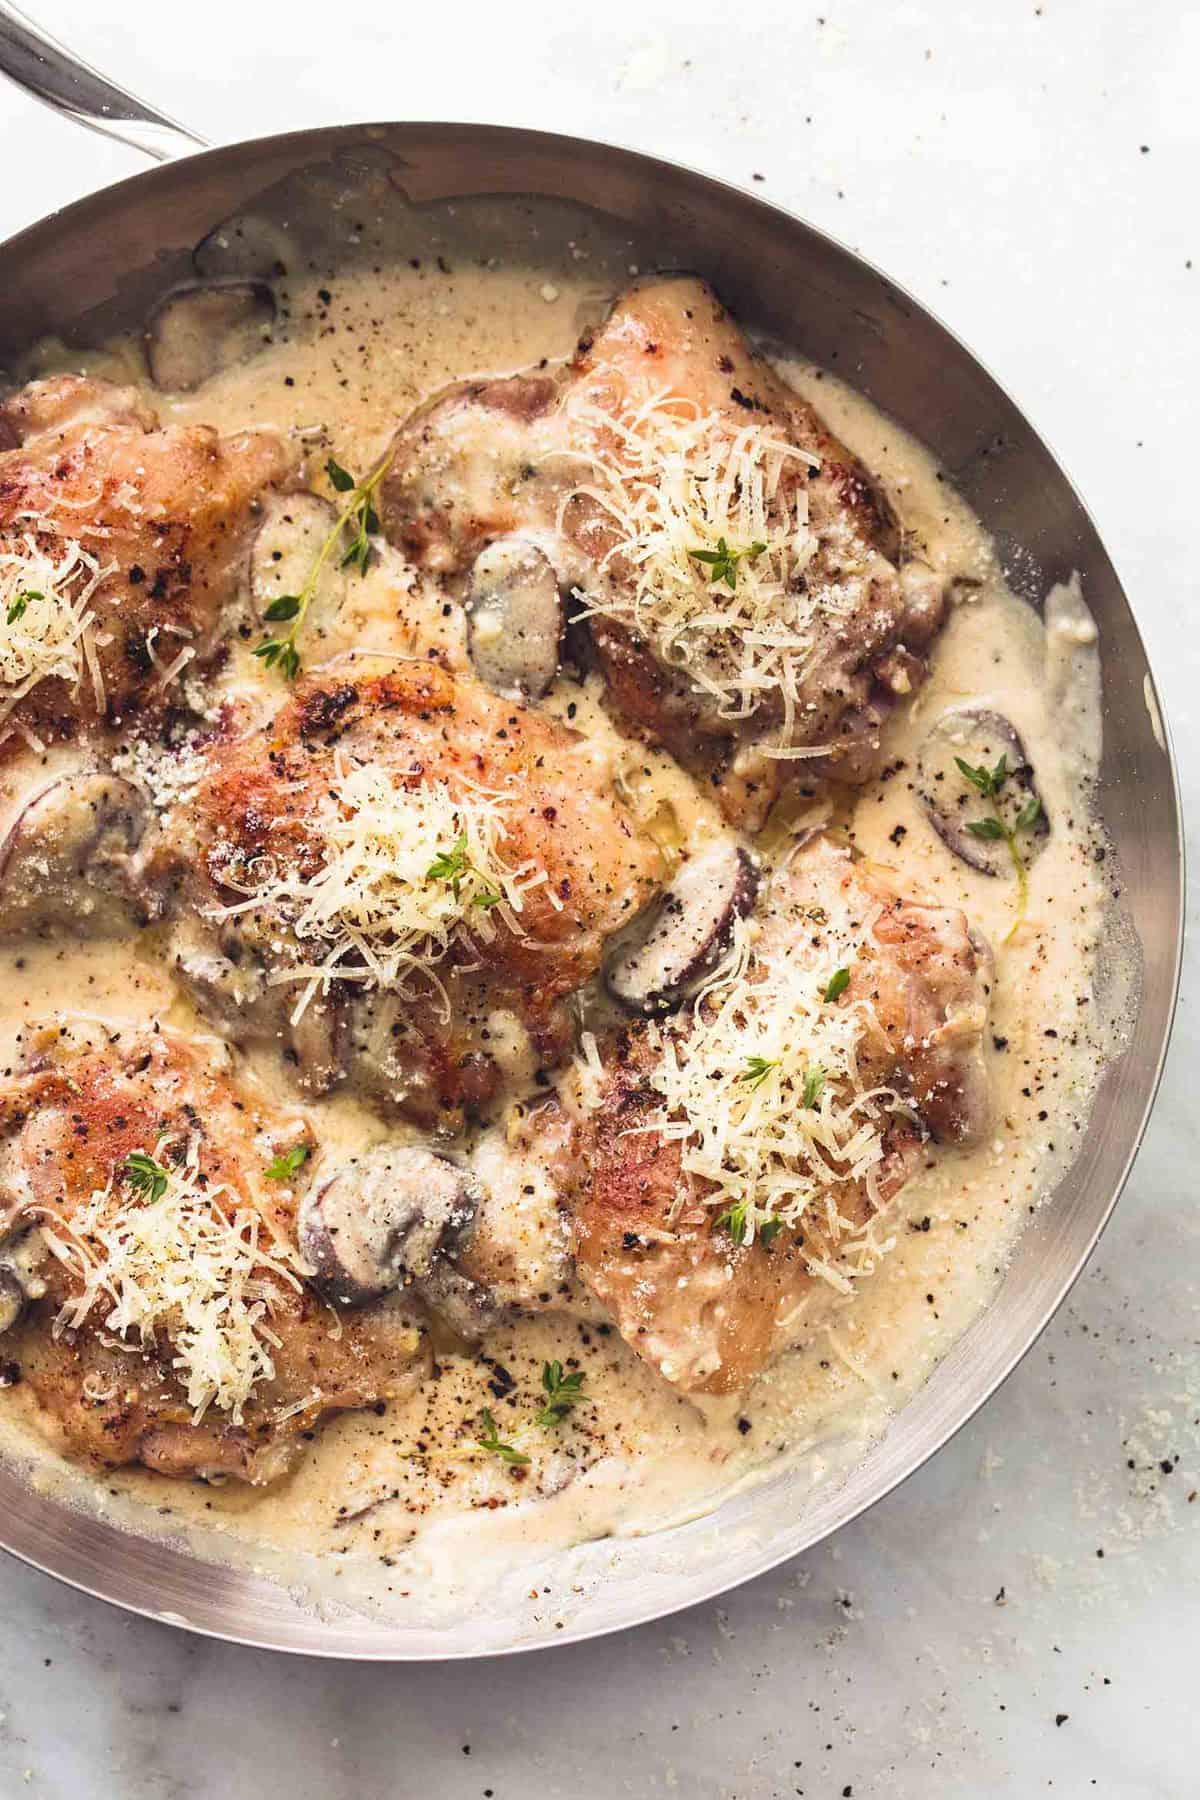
point(424, 724)
point(451, 489)
point(69, 1121)
point(709, 1314)
point(167, 513)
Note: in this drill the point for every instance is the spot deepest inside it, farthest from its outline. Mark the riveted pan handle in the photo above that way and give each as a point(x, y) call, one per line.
point(51, 74)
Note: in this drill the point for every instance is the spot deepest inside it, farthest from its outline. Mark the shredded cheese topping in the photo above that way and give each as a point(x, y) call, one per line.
point(407, 869)
point(47, 627)
point(763, 1092)
point(672, 481)
point(189, 1267)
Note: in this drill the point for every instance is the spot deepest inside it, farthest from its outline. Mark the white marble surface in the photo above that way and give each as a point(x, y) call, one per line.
point(1032, 171)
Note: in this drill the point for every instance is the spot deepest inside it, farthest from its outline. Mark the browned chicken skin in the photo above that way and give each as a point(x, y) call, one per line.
point(426, 1056)
point(709, 1314)
point(164, 514)
point(491, 458)
point(85, 1101)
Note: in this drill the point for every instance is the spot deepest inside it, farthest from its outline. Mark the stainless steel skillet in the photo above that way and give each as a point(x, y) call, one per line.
point(100, 263)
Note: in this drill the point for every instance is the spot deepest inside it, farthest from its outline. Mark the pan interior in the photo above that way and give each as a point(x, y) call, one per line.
point(100, 267)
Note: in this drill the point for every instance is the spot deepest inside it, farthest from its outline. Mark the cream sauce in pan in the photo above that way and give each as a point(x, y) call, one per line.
point(395, 1493)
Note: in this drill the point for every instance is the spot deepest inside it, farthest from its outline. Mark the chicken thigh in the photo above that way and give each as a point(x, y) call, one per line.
point(741, 575)
point(120, 545)
point(157, 1306)
point(730, 1164)
point(400, 881)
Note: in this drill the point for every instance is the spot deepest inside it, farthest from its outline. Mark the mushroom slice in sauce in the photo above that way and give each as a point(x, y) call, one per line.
point(515, 619)
point(246, 245)
point(466, 1306)
point(20, 1252)
point(69, 857)
point(952, 804)
point(198, 331)
point(12, 1299)
point(686, 931)
point(382, 1220)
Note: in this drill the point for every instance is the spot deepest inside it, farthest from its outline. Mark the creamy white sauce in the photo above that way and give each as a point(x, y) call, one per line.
point(396, 1503)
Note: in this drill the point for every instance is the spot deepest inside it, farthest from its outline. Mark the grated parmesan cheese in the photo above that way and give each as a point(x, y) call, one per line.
point(377, 908)
point(189, 1268)
point(671, 481)
point(52, 635)
point(168, 773)
point(763, 1093)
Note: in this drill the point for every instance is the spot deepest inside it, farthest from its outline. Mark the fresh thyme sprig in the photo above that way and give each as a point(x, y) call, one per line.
point(453, 866)
point(563, 1393)
point(995, 827)
point(287, 1163)
point(757, 1069)
point(145, 1175)
point(723, 561)
point(489, 1439)
point(292, 609)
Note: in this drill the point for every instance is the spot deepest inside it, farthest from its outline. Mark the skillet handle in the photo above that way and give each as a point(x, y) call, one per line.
point(60, 80)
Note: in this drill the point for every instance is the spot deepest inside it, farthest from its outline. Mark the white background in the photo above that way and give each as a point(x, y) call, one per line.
point(1032, 171)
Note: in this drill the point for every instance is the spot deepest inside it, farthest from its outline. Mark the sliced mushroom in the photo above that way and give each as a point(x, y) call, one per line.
point(382, 1220)
point(69, 858)
point(953, 804)
point(468, 1308)
point(686, 932)
point(246, 245)
point(286, 547)
point(514, 619)
point(198, 331)
point(21, 1251)
point(12, 1298)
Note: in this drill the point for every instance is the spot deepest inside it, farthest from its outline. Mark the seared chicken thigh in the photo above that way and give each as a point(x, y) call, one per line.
point(120, 544)
point(797, 1097)
point(163, 1315)
point(740, 573)
point(401, 880)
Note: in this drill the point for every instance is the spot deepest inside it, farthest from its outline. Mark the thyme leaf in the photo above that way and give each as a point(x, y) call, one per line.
point(723, 561)
point(145, 1175)
point(814, 1085)
point(451, 865)
point(837, 984)
point(994, 828)
point(489, 1439)
point(757, 1069)
point(989, 828)
point(563, 1393)
point(287, 1162)
point(734, 1221)
point(17, 607)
